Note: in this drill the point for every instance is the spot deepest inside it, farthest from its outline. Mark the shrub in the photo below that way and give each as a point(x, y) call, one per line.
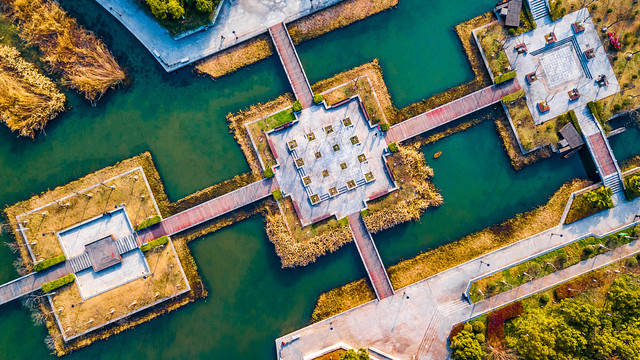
point(495, 327)
point(504, 77)
point(268, 173)
point(544, 298)
point(277, 194)
point(609, 10)
point(147, 222)
point(297, 106)
point(204, 5)
point(513, 97)
point(589, 203)
point(467, 327)
point(364, 213)
point(480, 338)
point(344, 221)
point(58, 283)
point(465, 346)
point(384, 126)
point(175, 9)
point(632, 184)
point(594, 7)
point(154, 243)
point(617, 107)
point(562, 258)
point(455, 331)
point(588, 250)
point(478, 327)
point(45, 264)
point(317, 98)
point(393, 147)
point(632, 262)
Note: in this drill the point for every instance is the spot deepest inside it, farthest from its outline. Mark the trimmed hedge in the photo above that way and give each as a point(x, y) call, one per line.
point(45, 264)
point(277, 194)
point(504, 77)
point(147, 222)
point(154, 243)
point(58, 283)
point(513, 97)
point(393, 147)
point(268, 173)
point(317, 98)
point(384, 126)
point(297, 106)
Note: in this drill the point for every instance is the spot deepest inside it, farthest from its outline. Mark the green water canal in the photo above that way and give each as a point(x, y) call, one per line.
point(180, 118)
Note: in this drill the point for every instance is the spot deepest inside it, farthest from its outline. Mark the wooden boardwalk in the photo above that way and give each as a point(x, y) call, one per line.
point(292, 65)
point(450, 111)
point(370, 257)
point(602, 156)
point(32, 282)
point(209, 210)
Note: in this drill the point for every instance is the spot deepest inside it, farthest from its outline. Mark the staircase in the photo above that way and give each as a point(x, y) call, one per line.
point(80, 263)
point(126, 244)
point(539, 8)
point(430, 337)
point(614, 183)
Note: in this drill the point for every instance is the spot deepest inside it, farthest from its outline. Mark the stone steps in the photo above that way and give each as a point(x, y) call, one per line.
point(539, 8)
point(80, 263)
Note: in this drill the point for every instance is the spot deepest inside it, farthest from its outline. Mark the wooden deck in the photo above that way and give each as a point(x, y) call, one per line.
point(209, 210)
point(32, 282)
point(449, 112)
point(602, 154)
point(292, 65)
point(369, 254)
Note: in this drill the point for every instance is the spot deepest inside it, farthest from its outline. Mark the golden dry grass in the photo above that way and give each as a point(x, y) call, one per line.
point(531, 135)
point(232, 59)
point(167, 281)
point(447, 256)
point(82, 59)
point(28, 99)
point(510, 144)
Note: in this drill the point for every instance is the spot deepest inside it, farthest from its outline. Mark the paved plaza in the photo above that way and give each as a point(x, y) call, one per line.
point(331, 161)
point(561, 66)
point(237, 21)
point(74, 243)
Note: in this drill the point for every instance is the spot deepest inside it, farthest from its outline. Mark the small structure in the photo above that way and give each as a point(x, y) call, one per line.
point(602, 81)
point(589, 54)
point(577, 27)
point(550, 38)
point(573, 94)
point(531, 77)
point(521, 48)
point(571, 138)
point(543, 107)
point(103, 253)
point(510, 10)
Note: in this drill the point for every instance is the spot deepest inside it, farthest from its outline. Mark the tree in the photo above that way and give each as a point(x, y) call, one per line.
point(465, 346)
point(204, 5)
point(175, 9)
point(362, 354)
point(158, 8)
point(624, 297)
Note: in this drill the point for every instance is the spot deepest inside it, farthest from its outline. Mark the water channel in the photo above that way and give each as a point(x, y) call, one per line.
point(180, 118)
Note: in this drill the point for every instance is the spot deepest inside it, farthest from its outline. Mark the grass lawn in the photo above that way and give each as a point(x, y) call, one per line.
point(80, 206)
point(491, 39)
point(79, 315)
point(531, 135)
point(548, 263)
point(258, 129)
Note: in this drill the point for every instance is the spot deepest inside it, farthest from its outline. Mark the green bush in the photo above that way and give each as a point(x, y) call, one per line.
point(344, 221)
point(268, 173)
point(204, 5)
point(154, 243)
point(544, 298)
point(588, 250)
point(478, 327)
point(393, 147)
point(562, 258)
point(297, 106)
point(513, 97)
point(504, 77)
point(384, 126)
point(317, 98)
point(632, 262)
point(147, 222)
point(555, 10)
point(467, 327)
point(632, 184)
point(57, 283)
point(45, 264)
point(466, 346)
point(277, 194)
point(364, 213)
point(480, 338)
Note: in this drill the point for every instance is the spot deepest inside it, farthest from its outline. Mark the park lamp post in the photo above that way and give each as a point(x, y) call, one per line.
point(628, 57)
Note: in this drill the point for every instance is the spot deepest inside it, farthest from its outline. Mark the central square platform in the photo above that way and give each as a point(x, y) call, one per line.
point(560, 66)
point(331, 161)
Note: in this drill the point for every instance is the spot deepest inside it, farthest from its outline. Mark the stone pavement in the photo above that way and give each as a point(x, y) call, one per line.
point(415, 322)
point(237, 21)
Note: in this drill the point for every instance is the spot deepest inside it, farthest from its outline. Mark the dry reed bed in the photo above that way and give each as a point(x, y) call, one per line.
point(83, 61)
point(295, 252)
point(418, 193)
point(447, 256)
point(28, 99)
point(236, 57)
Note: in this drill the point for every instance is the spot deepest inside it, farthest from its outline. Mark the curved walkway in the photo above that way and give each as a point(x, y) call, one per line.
point(450, 111)
point(209, 210)
point(416, 320)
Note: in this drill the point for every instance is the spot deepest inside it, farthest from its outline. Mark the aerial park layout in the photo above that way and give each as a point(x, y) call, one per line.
point(335, 163)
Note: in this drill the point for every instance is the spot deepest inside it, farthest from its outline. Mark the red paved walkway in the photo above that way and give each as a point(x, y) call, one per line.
point(450, 111)
point(370, 257)
point(603, 156)
point(292, 65)
point(32, 282)
point(209, 210)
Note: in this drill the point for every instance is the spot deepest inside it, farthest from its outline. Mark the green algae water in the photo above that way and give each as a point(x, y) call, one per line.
point(180, 118)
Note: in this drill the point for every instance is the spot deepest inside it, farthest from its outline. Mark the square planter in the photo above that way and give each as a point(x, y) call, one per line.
point(574, 95)
point(577, 27)
point(543, 107)
point(531, 77)
point(550, 38)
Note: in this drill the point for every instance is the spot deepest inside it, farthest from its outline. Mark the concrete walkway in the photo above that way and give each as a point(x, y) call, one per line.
point(450, 111)
point(237, 21)
point(427, 310)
